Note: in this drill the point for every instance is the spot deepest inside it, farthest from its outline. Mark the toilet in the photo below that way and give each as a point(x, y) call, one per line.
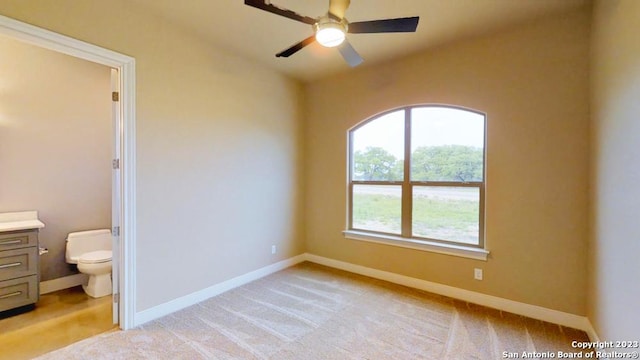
point(91, 251)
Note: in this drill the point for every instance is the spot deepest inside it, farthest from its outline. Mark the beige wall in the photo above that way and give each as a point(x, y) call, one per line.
point(220, 153)
point(532, 81)
point(218, 158)
point(55, 144)
point(615, 238)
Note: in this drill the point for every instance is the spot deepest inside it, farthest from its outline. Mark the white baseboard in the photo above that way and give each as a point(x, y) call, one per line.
point(532, 311)
point(591, 332)
point(62, 283)
point(204, 294)
point(528, 310)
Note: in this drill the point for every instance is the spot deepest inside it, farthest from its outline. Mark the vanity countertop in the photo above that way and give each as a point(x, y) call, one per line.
point(22, 220)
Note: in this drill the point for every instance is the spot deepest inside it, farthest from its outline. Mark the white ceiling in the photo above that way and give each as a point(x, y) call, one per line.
point(259, 35)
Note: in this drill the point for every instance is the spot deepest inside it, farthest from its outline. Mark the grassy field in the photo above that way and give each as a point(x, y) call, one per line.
point(433, 217)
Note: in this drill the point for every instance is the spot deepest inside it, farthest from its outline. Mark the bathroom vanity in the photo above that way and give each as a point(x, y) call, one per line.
point(19, 269)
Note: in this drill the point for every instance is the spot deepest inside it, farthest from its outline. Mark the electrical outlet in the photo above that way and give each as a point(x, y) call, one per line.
point(273, 249)
point(477, 274)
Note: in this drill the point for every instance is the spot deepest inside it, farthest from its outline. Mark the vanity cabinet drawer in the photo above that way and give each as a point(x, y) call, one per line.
point(18, 263)
point(19, 259)
point(18, 239)
point(18, 292)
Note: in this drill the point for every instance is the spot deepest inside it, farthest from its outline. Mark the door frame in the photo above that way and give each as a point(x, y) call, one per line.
point(125, 65)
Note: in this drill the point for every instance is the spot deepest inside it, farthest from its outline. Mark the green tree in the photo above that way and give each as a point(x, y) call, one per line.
point(447, 163)
point(375, 163)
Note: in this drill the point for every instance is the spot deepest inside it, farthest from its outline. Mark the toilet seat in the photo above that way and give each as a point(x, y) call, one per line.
point(96, 257)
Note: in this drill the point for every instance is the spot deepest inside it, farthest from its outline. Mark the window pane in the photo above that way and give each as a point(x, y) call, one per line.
point(378, 149)
point(377, 208)
point(447, 213)
point(446, 144)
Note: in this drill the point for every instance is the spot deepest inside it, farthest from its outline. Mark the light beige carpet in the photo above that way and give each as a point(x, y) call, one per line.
point(313, 312)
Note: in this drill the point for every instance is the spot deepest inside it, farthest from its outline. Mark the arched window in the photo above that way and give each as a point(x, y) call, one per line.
point(417, 174)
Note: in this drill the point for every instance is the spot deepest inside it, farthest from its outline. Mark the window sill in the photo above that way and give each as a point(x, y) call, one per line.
point(422, 245)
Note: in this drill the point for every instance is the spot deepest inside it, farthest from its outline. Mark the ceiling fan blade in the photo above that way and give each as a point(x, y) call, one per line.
point(350, 54)
point(408, 24)
point(262, 5)
point(337, 8)
point(297, 47)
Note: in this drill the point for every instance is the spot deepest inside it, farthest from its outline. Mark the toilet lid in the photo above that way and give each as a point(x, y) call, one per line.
point(95, 257)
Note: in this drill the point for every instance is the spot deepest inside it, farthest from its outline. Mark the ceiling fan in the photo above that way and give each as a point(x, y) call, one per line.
point(330, 29)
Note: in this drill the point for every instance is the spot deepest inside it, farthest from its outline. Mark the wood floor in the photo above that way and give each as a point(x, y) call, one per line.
point(59, 319)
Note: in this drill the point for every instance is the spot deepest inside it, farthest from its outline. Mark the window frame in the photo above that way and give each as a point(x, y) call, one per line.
point(406, 238)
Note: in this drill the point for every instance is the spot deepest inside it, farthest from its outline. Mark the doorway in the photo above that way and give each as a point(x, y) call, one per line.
point(123, 200)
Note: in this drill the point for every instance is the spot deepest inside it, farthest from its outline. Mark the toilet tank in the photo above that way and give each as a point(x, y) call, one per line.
point(82, 242)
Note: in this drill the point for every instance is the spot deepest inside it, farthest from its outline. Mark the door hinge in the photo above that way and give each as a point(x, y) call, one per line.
point(116, 298)
point(115, 96)
point(116, 164)
point(116, 231)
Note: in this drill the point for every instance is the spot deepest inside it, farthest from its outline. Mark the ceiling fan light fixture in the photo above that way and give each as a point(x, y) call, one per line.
point(330, 30)
point(330, 34)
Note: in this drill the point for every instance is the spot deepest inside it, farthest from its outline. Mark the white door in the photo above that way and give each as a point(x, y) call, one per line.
point(115, 192)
